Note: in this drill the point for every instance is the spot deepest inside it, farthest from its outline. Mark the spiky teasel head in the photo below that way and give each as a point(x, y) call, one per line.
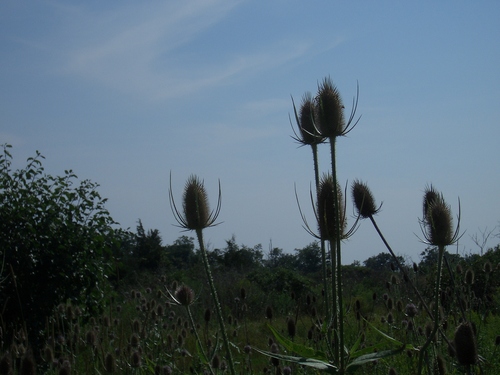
point(437, 223)
point(184, 295)
point(330, 110)
point(363, 199)
point(306, 122)
point(196, 212)
point(325, 211)
point(465, 344)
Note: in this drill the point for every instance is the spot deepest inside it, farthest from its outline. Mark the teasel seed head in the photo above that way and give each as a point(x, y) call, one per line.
point(269, 313)
point(306, 121)
point(440, 366)
point(465, 344)
point(469, 276)
point(487, 267)
point(363, 199)
point(437, 221)
point(28, 364)
point(110, 363)
point(330, 110)
point(196, 212)
point(326, 207)
point(184, 295)
point(136, 360)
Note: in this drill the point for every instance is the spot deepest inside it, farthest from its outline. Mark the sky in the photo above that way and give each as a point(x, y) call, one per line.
point(130, 93)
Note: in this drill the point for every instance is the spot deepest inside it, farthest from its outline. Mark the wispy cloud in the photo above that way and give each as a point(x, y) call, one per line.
point(135, 50)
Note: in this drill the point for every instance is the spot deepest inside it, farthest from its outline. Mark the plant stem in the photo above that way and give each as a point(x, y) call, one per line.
point(436, 310)
point(326, 298)
point(218, 308)
point(338, 271)
point(198, 340)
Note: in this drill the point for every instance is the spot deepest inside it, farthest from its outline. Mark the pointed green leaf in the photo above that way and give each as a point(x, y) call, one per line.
point(310, 362)
point(299, 349)
point(367, 358)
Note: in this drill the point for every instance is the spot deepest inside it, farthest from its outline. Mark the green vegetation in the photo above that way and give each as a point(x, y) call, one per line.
point(79, 296)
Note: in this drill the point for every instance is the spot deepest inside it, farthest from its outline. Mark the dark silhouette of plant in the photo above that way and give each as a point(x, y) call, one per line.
point(196, 215)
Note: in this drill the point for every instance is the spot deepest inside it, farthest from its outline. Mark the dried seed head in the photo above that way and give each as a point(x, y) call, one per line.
point(184, 295)
point(487, 267)
point(136, 360)
point(110, 363)
point(195, 203)
point(308, 132)
point(28, 364)
point(269, 313)
point(440, 366)
point(437, 220)
point(330, 110)
point(469, 276)
point(465, 344)
point(196, 213)
point(411, 310)
point(216, 362)
point(363, 199)
point(326, 210)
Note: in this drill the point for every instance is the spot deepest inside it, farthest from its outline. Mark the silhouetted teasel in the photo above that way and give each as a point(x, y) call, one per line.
point(465, 344)
point(308, 133)
point(363, 200)
point(437, 222)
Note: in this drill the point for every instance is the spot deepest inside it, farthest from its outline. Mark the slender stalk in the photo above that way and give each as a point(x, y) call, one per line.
point(218, 308)
point(198, 339)
point(436, 310)
point(326, 298)
point(338, 254)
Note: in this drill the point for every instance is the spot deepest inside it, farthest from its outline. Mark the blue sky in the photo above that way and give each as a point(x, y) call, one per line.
point(125, 93)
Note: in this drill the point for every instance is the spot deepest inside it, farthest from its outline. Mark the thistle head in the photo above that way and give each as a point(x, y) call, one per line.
point(196, 212)
point(363, 199)
point(308, 132)
point(437, 223)
point(326, 206)
point(330, 110)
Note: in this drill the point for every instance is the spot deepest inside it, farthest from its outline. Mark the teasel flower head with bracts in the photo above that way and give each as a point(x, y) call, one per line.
point(196, 213)
point(182, 296)
point(364, 202)
point(437, 223)
point(308, 133)
point(330, 111)
point(324, 211)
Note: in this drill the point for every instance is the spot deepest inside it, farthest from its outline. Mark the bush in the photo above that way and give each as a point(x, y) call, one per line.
point(55, 237)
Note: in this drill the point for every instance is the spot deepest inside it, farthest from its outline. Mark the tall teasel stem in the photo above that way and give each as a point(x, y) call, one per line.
point(330, 115)
point(308, 134)
point(215, 297)
point(437, 229)
point(197, 216)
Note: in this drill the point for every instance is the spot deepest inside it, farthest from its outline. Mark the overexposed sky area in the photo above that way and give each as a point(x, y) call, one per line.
point(125, 93)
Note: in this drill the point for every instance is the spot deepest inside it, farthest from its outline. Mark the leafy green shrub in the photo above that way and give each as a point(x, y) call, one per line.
point(55, 236)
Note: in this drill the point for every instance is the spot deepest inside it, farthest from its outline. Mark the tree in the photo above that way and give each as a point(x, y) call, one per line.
point(55, 241)
point(180, 255)
point(148, 250)
point(382, 262)
point(308, 259)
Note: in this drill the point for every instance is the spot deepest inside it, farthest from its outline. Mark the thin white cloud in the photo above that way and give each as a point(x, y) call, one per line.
point(135, 50)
